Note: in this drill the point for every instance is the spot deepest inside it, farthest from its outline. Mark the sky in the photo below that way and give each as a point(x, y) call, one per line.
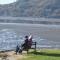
point(6, 1)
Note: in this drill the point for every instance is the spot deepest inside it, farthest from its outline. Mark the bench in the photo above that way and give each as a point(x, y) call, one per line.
point(33, 44)
point(23, 48)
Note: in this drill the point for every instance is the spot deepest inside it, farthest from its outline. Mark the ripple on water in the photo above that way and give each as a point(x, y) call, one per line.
point(9, 40)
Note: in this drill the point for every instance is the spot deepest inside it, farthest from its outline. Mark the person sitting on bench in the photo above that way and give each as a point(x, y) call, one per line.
point(25, 45)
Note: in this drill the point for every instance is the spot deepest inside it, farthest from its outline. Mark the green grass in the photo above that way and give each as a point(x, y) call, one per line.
point(47, 54)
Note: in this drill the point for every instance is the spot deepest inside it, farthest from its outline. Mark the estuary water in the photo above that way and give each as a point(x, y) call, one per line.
point(12, 34)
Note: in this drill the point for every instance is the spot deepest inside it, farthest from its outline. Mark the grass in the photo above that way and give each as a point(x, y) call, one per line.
point(47, 54)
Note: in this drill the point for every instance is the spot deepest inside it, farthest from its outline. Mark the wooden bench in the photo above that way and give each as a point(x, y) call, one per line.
point(27, 48)
point(33, 44)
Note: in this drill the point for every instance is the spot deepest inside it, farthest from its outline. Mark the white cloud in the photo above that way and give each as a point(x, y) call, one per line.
point(6, 1)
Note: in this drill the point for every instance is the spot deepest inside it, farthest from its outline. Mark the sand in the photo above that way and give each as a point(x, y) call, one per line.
point(12, 56)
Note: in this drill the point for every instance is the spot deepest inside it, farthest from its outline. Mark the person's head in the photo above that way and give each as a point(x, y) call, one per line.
point(26, 37)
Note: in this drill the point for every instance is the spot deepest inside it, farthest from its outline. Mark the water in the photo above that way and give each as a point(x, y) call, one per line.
point(13, 34)
point(9, 40)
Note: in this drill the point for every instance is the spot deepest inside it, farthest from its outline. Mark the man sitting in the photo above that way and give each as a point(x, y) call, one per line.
point(27, 44)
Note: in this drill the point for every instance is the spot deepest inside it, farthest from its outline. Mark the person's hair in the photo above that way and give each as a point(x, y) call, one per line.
point(26, 36)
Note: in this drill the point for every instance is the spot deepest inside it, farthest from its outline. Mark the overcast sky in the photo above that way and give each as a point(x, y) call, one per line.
point(6, 1)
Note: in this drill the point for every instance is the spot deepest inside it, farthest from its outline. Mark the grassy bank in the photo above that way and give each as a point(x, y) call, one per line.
point(43, 55)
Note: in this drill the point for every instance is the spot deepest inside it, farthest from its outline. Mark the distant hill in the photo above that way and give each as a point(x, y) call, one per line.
point(32, 8)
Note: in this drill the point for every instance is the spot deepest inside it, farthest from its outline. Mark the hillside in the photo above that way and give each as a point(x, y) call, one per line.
point(32, 8)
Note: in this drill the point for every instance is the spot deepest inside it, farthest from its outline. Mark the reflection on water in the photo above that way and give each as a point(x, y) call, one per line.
point(9, 39)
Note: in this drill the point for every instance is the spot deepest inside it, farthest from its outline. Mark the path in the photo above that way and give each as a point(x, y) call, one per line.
point(13, 56)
